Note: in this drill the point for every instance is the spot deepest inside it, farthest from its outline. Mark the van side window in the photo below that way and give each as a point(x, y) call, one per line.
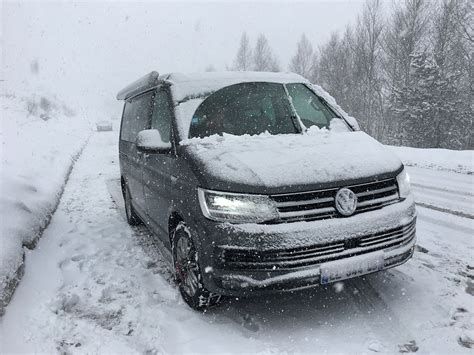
point(136, 116)
point(161, 118)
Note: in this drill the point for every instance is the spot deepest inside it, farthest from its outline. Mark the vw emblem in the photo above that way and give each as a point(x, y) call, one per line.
point(346, 201)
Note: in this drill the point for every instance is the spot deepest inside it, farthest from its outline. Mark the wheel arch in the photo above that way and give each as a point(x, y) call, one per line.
point(173, 222)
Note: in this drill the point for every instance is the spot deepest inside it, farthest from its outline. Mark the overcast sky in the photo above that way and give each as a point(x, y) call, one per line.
point(87, 51)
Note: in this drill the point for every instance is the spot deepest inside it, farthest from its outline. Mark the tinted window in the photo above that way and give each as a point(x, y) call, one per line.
point(248, 108)
point(136, 116)
point(161, 118)
point(310, 108)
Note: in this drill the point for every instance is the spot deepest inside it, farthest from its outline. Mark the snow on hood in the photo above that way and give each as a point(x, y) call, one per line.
point(292, 161)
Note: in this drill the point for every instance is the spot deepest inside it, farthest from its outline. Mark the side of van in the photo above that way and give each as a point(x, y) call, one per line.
point(258, 183)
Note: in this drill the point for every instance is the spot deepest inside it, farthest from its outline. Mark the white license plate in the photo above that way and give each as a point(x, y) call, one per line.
point(351, 267)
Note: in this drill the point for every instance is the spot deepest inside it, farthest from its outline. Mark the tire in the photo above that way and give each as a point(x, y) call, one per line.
point(187, 272)
point(132, 217)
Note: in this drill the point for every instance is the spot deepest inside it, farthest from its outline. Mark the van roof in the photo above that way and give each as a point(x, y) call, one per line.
point(232, 77)
point(196, 84)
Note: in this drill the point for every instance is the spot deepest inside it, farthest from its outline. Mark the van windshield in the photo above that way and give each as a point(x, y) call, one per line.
point(257, 107)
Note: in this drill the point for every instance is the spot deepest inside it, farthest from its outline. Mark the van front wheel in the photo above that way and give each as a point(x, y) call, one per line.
point(187, 271)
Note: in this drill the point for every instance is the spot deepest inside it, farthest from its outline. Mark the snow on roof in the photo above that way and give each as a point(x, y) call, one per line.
point(145, 82)
point(196, 84)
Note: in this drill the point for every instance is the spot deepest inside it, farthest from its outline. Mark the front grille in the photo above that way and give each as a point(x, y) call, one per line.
point(320, 204)
point(237, 258)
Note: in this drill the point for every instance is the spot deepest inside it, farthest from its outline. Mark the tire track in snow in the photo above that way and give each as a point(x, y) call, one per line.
point(445, 210)
point(379, 317)
point(7, 294)
point(440, 189)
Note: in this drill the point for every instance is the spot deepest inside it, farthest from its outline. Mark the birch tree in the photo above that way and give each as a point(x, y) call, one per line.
point(243, 59)
point(304, 60)
point(263, 57)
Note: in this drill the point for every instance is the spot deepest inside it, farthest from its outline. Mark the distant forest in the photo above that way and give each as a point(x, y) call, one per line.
point(404, 71)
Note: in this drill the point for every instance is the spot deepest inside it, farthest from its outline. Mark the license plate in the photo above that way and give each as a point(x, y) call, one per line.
point(351, 267)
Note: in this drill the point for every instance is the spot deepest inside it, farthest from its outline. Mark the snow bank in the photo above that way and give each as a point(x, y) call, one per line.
point(40, 138)
point(460, 161)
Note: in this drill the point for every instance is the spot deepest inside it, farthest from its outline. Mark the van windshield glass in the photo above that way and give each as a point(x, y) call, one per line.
point(310, 108)
point(248, 108)
point(257, 107)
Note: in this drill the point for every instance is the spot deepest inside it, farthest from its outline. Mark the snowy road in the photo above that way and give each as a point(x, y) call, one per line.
point(444, 190)
point(93, 284)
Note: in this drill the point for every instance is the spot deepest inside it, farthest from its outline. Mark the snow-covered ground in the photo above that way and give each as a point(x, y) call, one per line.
point(40, 138)
point(93, 284)
point(438, 159)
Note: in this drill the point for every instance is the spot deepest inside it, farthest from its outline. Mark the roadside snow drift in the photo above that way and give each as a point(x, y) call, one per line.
point(459, 161)
point(40, 138)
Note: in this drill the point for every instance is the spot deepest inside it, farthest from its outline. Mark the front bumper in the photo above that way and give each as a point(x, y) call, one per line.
point(237, 284)
point(258, 259)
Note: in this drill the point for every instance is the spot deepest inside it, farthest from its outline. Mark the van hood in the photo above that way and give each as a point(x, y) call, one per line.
point(270, 164)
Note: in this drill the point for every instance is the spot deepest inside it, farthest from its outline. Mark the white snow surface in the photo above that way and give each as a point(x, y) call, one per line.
point(95, 285)
point(39, 139)
point(317, 156)
point(460, 161)
point(195, 84)
point(151, 138)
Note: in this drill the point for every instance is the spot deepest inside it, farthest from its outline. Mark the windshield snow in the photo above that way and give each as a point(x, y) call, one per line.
point(258, 107)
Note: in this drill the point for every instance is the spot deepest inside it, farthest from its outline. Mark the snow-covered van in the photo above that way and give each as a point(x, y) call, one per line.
point(259, 182)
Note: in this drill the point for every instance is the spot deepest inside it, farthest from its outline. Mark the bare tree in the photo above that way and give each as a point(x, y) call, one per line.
point(405, 35)
point(263, 57)
point(243, 59)
point(304, 60)
point(350, 67)
point(408, 79)
point(452, 52)
point(464, 14)
point(366, 52)
point(334, 68)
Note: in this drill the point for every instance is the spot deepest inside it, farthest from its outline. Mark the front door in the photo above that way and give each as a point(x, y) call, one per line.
point(136, 117)
point(158, 169)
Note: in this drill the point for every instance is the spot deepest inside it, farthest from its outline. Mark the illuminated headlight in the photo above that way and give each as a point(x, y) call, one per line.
point(236, 208)
point(403, 181)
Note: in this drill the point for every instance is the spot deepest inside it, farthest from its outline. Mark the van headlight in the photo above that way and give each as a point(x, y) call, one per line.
point(236, 208)
point(403, 181)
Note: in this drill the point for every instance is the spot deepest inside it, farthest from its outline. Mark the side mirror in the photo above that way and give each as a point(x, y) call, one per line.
point(149, 140)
